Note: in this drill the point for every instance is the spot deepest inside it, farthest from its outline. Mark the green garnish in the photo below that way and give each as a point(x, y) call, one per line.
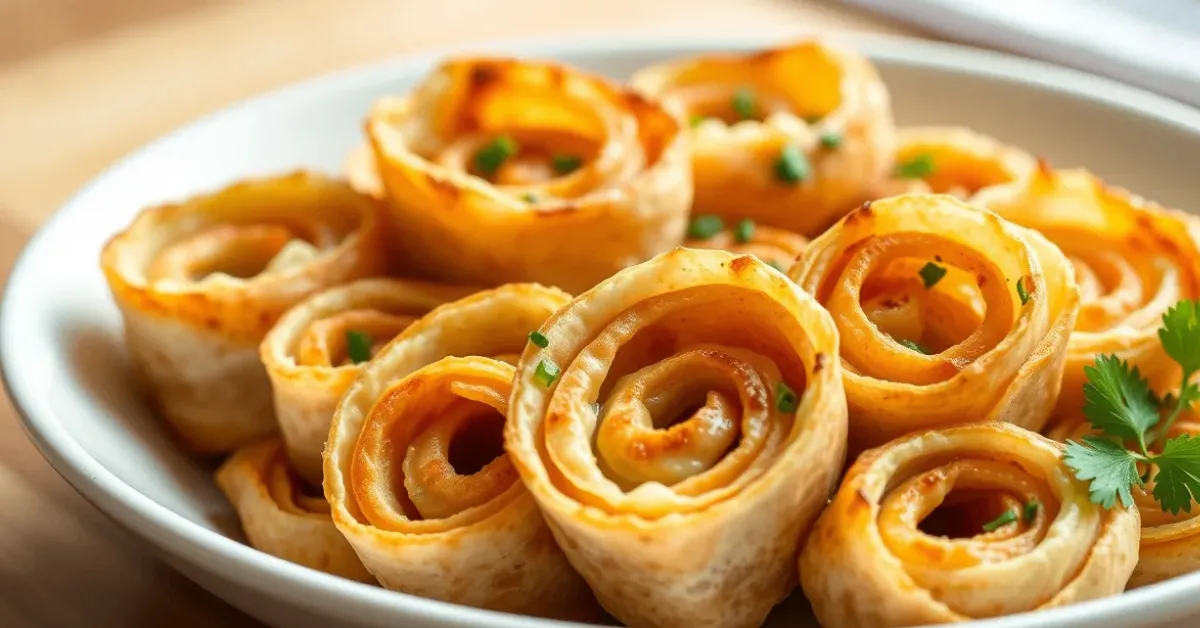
point(914, 346)
point(918, 167)
point(1120, 406)
point(529, 197)
point(744, 230)
point(785, 398)
point(1004, 519)
point(931, 274)
point(358, 346)
point(546, 372)
point(696, 119)
point(489, 158)
point(705, 226)
point(774, 264)
point(1022, 290)
point(1029, 512)
point(792, 167)
point(831, 139)
point(565, 164)
point(538, 339)
point(743, 103)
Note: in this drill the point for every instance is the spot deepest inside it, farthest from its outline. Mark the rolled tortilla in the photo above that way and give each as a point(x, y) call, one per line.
point(904, 541)
point(280, 518)
point(1170, 544)
point(415, 470)
point(952, 160)
point(681, 429)
point(823, 106)
point(500, 170)
point(200, 283)
point(777, 247)
point(309, 361)
point(947, 313)
point(1133, 260)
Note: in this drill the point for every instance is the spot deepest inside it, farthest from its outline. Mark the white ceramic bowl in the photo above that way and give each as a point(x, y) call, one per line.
point(65, 366)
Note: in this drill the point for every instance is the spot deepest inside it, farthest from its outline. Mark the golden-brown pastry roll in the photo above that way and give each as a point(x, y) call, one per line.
point(777, 247)
point(362, 172)
point(317, 348)
point(501, 170)
point(962, 523)
point(952, 160)
point(1133, 260)
point(1170, 543)
point(415, 469)
point(280, 517)
point(681, 425)
point(200, 283)
point(947, 313)
point(792, 137)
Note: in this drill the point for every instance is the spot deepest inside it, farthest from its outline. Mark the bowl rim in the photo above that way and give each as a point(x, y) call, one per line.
point(306, 587)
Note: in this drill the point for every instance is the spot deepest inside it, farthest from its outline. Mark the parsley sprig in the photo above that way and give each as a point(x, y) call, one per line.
point(1120, 406)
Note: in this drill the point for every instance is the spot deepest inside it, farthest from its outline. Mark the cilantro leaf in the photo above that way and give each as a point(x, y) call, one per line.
point(1117, 400)
point(1111, 468)
point(1179, 333)
point(1177, 483)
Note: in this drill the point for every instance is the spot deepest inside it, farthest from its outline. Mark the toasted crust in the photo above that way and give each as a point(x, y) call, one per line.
point(867, 565)
point(735, 163)
point(777, 247)
point(306, 391)
point(627, 200)
point(990, 356)
point(963, 162)
point(279, 519)
point(470, 539)
point(193, 330)
point(1132, 258)
point(696, 525)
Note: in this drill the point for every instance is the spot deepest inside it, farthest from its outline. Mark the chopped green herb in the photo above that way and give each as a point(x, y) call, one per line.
point(931, 274)
point(743, 103)
point(529, 197)
point(774, 264)
point(546, 372)
point(744, 230)
point(697, 119)
point(705, 226)
point(1023, 290)
point(831, 139)
point(1004, 519)
point(489, 158)
point(538, 339)
point(813, 119)
point(785, 398)
point(1030, 511)
point(358, 346)
point(914, 346)
point(918, 167)
point(565, 164)
point(792, 167)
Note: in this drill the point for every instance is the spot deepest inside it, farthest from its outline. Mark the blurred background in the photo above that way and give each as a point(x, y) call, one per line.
point(83, 82)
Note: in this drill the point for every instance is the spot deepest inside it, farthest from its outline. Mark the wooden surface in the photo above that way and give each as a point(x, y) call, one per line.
point(83, 82)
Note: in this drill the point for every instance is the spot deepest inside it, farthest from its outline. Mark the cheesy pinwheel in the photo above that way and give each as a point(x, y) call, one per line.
point(1133, 260)
point(681, 425)
point(792, 137)
point(317, 348)
point(498, 170)
point(415, 470)
point(947, 313)
point(966, 522)
point(952, 160)
point(280, 518)
point(200, 283)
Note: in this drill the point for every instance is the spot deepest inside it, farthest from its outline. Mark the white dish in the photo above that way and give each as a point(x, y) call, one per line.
point(64, 363)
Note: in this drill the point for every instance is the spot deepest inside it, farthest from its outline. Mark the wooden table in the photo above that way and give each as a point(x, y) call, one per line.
point(86, 81)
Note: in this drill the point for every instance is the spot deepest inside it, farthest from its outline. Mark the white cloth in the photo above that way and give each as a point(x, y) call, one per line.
point(1154, 44)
